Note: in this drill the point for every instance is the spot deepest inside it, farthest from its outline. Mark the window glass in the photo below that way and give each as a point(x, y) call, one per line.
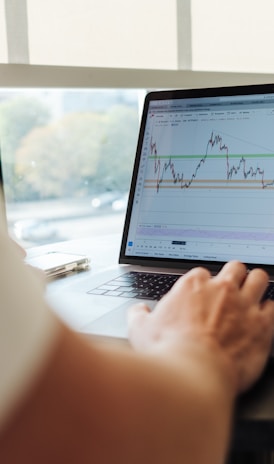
point(103, 33)
point(3, 34)
point(67, 158)
point(232, 35)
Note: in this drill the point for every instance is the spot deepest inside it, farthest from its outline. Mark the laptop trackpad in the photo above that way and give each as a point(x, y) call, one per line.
point(114, 323)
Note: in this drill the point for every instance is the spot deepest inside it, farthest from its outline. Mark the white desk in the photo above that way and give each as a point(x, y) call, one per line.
point(103, 253)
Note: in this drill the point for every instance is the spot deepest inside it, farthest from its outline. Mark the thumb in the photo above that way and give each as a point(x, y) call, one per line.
point(137, 318)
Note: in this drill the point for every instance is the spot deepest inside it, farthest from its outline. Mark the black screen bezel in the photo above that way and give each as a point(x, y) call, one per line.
point(258, 89)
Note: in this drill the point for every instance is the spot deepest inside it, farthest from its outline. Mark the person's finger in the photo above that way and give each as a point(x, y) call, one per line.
point(199, 272)
point(137, 317)
point(267, 308)
point(194, 276)
point(255, 285)
point(234, 271)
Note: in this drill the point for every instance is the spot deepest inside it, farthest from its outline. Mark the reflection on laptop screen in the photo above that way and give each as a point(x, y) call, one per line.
point(205, 183)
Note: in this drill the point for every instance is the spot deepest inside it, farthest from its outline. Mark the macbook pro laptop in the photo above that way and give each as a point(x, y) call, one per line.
point(202, 193)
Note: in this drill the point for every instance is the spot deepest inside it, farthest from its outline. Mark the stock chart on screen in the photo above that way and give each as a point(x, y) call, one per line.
point(205, 183)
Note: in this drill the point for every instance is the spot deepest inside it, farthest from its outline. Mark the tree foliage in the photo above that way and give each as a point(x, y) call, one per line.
point(18, 116)
point(74, 156)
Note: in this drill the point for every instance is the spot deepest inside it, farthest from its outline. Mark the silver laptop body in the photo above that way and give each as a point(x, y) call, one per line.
point(202, 193)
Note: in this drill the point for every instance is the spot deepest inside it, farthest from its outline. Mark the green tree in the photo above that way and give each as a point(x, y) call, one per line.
point(80, 154)
point(18, 116)
point(118, 147)
point(60, 160)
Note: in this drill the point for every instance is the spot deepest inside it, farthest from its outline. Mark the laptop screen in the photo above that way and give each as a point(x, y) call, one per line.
point(203, 183)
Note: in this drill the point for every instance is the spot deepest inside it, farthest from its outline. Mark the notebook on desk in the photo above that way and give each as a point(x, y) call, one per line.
point(202, 193)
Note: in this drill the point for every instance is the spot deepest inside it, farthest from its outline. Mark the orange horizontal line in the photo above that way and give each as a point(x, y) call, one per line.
point(207, 187)
point(213, 181)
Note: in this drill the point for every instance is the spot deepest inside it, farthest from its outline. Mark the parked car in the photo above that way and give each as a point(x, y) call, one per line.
point(105, 200)
point(120, 204)
point(35, 231)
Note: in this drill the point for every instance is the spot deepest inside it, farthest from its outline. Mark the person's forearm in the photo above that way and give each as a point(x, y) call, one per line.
point(119, 407)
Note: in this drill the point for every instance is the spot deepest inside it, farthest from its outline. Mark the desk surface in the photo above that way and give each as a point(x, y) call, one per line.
point(254, 416)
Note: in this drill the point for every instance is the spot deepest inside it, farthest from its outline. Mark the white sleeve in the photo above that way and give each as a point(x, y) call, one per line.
point(28, 328)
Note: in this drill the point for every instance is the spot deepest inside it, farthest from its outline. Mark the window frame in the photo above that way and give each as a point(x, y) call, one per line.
point(24, 75)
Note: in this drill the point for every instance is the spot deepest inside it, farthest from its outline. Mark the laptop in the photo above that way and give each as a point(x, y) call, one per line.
point(202, 193)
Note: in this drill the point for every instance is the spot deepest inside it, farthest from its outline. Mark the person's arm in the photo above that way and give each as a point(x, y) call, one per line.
point(169, 399)
point(111, 405)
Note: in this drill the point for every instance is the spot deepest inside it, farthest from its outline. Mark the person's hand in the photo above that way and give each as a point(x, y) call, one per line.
point(223, 314)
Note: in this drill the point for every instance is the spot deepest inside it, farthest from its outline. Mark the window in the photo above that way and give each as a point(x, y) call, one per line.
point(67, 159)
point(98, 33)
point(70, 81)
point(232, 35)
point(103, 33)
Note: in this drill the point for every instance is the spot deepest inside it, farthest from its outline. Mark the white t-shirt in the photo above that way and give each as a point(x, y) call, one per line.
point(28, 328)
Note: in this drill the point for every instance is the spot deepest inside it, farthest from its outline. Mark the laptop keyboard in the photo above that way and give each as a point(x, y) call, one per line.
point(148, 285)
point(269, 293)
point(143, 285)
